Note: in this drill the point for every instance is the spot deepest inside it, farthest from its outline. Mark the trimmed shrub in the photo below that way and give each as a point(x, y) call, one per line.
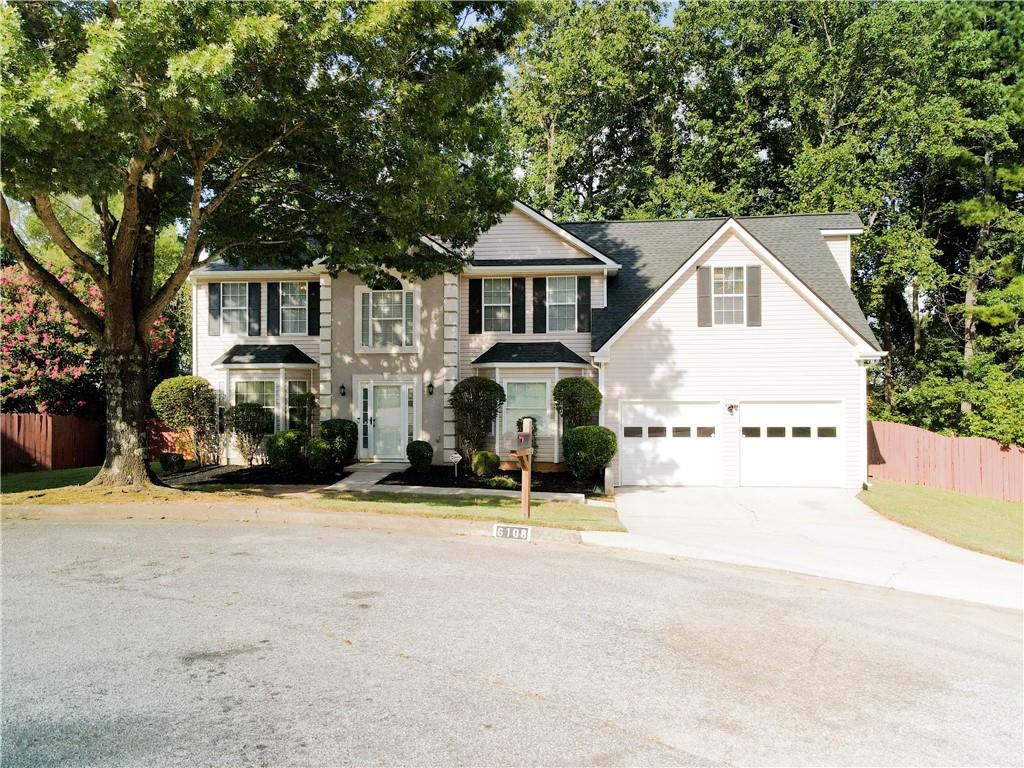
point(504, 482)
point(320, 456)
point(343, 437)
point(307, 411)
point(588, 451)
point(577, 400)
point(172, 462)
point(250, 424)
point(476, 402)
point(284, 451)
point(188, 406)
point(485, 464)
point(420, 453)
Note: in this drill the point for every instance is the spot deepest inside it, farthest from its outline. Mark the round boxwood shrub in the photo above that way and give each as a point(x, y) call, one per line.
point(485, 463)
point(420, 453)
point(577, 400)
point(188, 406)
point(250, 424)
point(343, 437)
point(503, 482)
point(476, 402)
point(320, 456)
point(172, 462)
point(588, 450)
point(284, 451)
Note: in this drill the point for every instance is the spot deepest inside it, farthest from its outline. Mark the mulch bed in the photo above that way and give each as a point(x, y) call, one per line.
point(261, 474)
point(439, 476)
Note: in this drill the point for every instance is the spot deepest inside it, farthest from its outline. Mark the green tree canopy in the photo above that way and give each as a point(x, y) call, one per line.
point(281, 130)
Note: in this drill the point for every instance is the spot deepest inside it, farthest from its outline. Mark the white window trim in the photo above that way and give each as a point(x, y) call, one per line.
point(548, 305)
point(484, 305)
point(360, 290)
point(223, 327)
point(509, 425)
point(743, 296)
point(265, 376)
point(281, 308)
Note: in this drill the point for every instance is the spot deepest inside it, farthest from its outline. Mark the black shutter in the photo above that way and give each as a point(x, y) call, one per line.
point(273, 309)
point(754, 295)
point(704, 297)
point(583, 304)
point(518, 305)
point(213, 300)
point(476, 305)
point(313, 307)
point(540, 305)
point(255, 289)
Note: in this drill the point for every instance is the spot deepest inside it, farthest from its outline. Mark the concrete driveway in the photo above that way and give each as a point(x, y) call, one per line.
point(819, 531)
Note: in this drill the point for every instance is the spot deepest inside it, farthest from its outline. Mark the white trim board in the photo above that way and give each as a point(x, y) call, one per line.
point(733, 227)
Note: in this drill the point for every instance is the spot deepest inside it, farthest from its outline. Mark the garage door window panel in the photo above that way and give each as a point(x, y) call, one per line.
point(656, 431)
point(632, 431)
point(680, 431)
point(826, 431)
point(705, 431)
point(729, 296)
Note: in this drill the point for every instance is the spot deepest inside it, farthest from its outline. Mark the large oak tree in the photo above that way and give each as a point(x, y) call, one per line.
point(281, 130)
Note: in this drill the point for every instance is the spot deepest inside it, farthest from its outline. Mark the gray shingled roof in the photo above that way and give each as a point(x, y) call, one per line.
point(264, 354)
point(530, 352)
point(650, 252)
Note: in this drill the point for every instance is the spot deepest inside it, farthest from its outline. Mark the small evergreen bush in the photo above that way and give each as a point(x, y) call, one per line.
point(476, 402)
point(577, 400)
point(284, 451)
point(503, 482)
point(343, 437)
point(420, 453)
point(250, 424)
point(188, 406)
point(172, 462)
point(320, 456)
point(588, 451)
point(485, 463)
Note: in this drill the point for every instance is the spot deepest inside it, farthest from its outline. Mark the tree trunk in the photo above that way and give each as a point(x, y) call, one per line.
point(125, 378)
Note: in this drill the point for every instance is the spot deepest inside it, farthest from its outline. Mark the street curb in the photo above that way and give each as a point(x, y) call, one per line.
point(273, 514)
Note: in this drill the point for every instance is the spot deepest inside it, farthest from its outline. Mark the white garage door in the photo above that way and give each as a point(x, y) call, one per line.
point(671, 444)
point(791, 444)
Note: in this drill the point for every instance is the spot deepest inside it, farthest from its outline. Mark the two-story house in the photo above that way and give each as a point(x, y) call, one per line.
point(728, 351)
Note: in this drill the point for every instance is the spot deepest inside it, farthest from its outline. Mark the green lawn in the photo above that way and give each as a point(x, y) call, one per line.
point(62, 487)
point(973, 522)
point(46, 479)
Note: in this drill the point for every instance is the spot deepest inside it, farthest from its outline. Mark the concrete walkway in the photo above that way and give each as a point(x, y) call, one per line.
point(821, 532)
point(366, 477)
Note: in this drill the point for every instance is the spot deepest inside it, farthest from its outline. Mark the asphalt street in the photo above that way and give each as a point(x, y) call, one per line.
point(167, 643)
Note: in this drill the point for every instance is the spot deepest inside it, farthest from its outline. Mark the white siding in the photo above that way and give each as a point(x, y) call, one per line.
point(796, 355)
point(517, 236)
point(839, 245)
point(472, 345)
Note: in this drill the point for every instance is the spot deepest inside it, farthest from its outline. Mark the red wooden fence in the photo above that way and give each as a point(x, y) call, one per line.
point(41, 441)
point(971, 465)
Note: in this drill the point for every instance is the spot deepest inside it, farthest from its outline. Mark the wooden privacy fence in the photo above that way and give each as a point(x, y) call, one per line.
point(971, 465)
point(42, 441)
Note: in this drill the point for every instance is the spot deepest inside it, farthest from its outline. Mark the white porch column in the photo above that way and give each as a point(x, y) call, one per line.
point(450, 361)
point(326, 377)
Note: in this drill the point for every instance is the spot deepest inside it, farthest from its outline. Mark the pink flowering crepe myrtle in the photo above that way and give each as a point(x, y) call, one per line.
point(48, 363)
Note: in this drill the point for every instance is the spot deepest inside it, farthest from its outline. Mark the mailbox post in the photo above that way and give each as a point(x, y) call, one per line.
point(524, 452)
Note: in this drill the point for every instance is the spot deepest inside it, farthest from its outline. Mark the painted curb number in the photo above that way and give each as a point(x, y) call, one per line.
point(515, 532)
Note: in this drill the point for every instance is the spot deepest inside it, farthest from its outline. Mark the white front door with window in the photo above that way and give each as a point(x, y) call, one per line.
point(791, 444)
point(387, 419)
point(671, 443)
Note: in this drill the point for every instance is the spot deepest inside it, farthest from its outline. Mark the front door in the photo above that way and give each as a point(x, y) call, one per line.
point(388, 421)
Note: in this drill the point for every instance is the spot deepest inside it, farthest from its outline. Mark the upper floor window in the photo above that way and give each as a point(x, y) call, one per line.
point(294, 312)
point(497, 304)
point(387, 319)
point(728, 294)
point(234, 307)
point(561, 301)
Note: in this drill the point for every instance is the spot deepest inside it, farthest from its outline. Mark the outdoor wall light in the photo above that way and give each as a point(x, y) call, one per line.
point(430, 388)
point(731, 408)
point(341, 390)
